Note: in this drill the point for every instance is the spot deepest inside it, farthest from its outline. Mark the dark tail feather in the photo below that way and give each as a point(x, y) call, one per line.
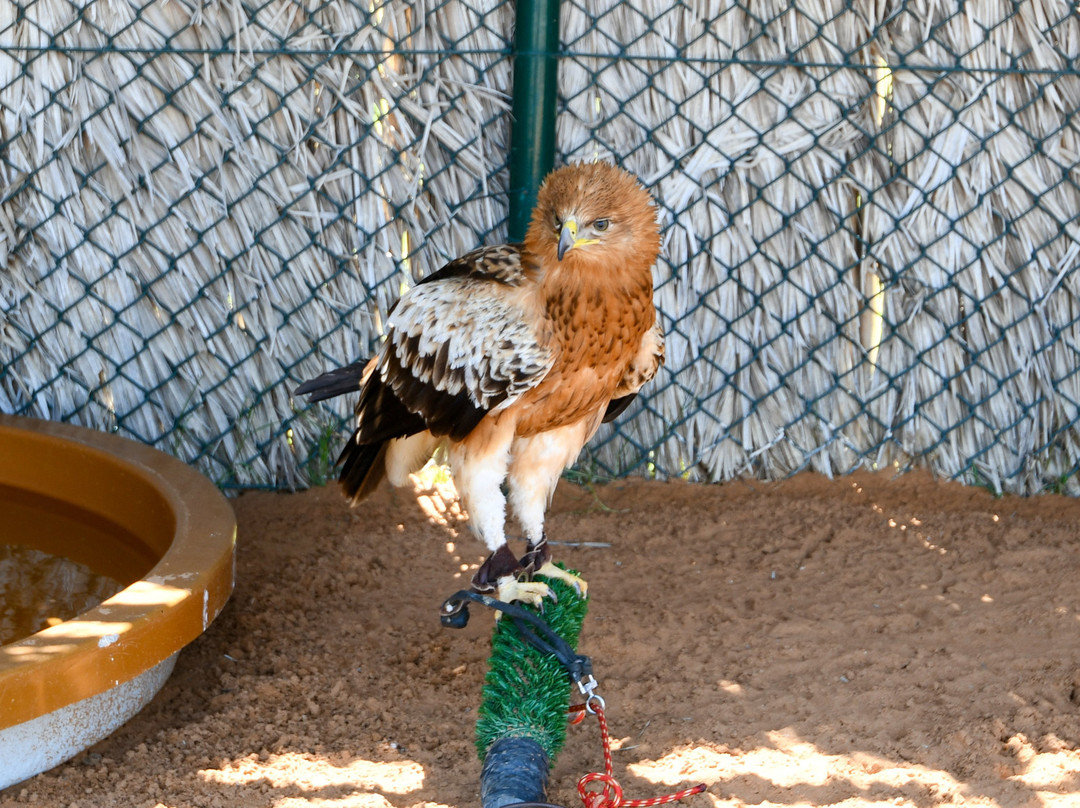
point(335, 382)
point(363, 465)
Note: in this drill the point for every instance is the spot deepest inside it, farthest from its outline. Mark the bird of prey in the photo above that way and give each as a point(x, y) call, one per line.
point(507, 360)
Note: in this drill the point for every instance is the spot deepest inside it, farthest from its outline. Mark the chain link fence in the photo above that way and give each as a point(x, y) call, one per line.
point(869, 215)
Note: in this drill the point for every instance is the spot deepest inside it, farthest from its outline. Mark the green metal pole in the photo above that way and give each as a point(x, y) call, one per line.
point(532, 133)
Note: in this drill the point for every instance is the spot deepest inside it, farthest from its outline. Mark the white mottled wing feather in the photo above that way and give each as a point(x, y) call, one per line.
point(462, 342)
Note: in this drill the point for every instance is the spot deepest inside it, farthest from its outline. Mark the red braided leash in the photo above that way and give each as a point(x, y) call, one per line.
point(610, 794)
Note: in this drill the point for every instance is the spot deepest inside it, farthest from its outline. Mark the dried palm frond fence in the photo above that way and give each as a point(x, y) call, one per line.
point(870, 216)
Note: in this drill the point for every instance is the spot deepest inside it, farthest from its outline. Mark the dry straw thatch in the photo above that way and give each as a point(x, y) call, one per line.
point(864, 266)
point(980, 236)
point(198, 196)
point(756, 168)
point(204, 204)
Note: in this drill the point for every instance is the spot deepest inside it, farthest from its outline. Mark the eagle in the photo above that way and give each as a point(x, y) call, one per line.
point(507, 360)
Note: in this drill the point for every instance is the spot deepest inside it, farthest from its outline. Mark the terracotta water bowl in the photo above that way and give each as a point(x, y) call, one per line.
point(128, 512)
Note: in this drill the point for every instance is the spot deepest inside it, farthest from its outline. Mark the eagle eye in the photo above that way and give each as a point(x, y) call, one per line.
point(601, 224)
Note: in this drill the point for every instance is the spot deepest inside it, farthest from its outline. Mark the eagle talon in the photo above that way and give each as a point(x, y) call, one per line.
point(531, 593)
point(579, 584)
point(537, 561)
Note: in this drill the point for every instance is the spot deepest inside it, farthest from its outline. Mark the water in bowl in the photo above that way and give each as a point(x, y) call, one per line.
point(38, 590)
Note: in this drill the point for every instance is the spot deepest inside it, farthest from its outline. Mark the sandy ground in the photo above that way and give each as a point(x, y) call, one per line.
point(860, 642)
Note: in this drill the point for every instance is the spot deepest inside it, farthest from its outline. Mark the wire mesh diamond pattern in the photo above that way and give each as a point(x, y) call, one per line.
point(869, 215)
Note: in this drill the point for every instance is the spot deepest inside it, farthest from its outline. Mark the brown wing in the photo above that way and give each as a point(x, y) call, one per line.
point(461, 343)
point(501, 264)
point(642, 369)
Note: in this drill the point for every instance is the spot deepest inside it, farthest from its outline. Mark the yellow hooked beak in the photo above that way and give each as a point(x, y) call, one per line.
point(568, 237)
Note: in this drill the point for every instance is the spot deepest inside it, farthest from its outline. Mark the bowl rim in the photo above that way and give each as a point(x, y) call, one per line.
point(146, 622)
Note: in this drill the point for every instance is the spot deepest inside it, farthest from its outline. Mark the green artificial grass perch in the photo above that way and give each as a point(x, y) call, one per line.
point(527, 692)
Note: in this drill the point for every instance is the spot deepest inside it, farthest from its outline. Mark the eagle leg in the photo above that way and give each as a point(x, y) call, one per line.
point(502, 575)
point(537, 561)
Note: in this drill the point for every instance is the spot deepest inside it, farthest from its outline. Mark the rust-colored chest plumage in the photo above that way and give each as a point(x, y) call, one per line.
point(595, 324)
